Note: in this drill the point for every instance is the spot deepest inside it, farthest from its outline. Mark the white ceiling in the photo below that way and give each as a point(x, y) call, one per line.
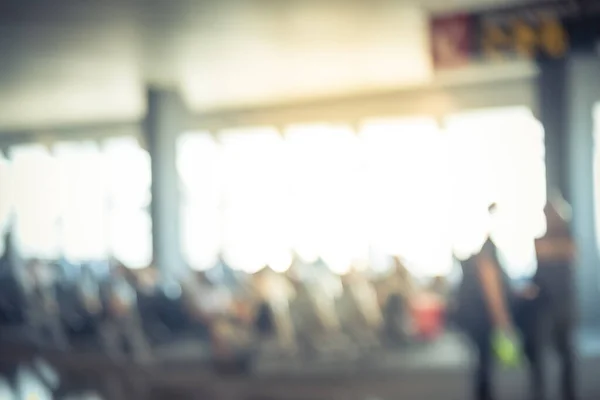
point(74, 61)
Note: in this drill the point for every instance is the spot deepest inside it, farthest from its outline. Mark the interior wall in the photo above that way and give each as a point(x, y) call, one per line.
point(74, 63)
point(443, 98)
point(69, 63)
point(583, 91)
point(74, 132)
point(301, 50)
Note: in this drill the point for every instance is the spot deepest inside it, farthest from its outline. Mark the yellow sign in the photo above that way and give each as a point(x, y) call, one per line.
point(545, 36)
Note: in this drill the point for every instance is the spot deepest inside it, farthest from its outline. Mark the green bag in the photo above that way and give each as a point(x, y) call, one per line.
point(507, 349)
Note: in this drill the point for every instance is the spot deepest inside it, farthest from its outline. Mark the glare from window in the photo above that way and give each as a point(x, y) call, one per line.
point(80, 200)
point(82, 193)
point(402, 187)
point(199, 163)
point(328, 194)
point(129, 172)
point(255, 199)
point(6, 187)
point(407, 192)
point(37, 207)
point(6, 200)
point(279, 260)
point(129, 181)
point(597, 169)
point(498, 156)
point(199, 159)
point(131, 237)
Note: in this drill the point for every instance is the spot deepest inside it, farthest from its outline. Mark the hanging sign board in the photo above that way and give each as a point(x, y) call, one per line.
point(547, 30)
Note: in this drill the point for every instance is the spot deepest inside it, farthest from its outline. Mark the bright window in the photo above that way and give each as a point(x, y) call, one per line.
point(328, 194)
point(498, 156)
point(255, 199)
point(597, 168)
point(80, 200)
point(407, 190)
point(83, 200)
point(6, 200)
point(397, 187)
point(129, 180)
point(37, 206)
point(199, 162)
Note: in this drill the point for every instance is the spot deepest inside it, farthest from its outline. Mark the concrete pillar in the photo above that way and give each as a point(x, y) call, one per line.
point(583, 91)
point(552, 86)
point(567, 92)
point(166, 118)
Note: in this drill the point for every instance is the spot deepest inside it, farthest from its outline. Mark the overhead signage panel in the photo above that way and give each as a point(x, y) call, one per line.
point(546, 30)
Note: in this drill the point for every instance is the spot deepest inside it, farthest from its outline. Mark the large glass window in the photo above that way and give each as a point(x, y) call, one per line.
point(37, 205)
point(199, 163)
point(129, 180)
point(498, 156)
point(397, 187)
point(82, 194)
point(328, 194)
point(80, 199)
point(407, 192)
point(255, 199)
point(6, 200)
point(597, 168)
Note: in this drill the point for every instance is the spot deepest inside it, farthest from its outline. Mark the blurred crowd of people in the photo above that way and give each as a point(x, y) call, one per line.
point(307, 310)
point(502, 317)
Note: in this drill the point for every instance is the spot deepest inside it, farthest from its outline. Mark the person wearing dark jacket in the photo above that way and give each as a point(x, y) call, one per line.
point(483, 309)
point(547, 308)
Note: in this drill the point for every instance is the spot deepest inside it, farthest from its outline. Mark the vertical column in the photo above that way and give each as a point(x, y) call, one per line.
point(166, 116)
point(567, 92)
point(552, 86)
point(583, 91)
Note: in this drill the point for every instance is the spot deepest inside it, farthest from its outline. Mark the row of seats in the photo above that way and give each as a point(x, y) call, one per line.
point(36, 379)
point(229, 315)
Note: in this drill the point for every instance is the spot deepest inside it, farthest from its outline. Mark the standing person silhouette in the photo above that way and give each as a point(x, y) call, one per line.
point(547, 308)
point(483, 309)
